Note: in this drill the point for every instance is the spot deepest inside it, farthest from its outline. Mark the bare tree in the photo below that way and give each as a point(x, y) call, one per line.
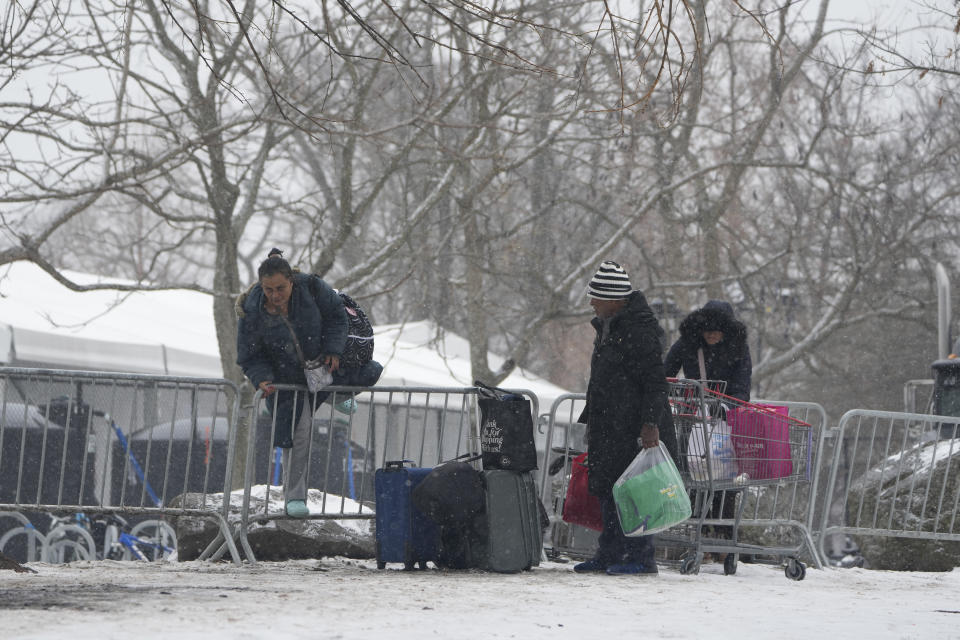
point(655, 49)
point(476, 174)
point(927, 44)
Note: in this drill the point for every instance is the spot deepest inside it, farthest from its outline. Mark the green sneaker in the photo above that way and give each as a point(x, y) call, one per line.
point(348, 406)
point(297, 509)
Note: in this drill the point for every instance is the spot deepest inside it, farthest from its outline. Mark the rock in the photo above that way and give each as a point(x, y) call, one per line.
point(274, 540)
point(291, 539)
point(9, 564)
point(909, 554)
point(901, 485)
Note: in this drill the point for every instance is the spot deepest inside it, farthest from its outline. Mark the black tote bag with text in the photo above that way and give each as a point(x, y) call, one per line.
point(506, 430)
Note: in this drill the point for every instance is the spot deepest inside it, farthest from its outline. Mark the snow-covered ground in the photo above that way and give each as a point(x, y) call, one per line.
point(340, 598)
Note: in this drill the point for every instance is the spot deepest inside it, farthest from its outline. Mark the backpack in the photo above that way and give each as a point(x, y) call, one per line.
point(359, 348)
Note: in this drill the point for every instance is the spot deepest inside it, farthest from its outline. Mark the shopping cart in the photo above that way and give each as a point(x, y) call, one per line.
point(728, 447)
point(565, 539)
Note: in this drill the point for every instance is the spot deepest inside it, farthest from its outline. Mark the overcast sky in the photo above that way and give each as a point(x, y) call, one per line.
point(909, 18)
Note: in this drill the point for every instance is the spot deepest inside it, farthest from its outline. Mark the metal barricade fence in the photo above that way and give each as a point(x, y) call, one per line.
point(794, 505)
point(893, 475)
point(774, 509)
point(423, 425)
point(565, 439)
point(140, 446)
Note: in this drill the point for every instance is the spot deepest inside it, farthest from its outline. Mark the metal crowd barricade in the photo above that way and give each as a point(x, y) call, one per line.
point(778, 507)
point(423, 425)
point(139, 446)
point(893, 475)
point(796, 505)
point(565, 439)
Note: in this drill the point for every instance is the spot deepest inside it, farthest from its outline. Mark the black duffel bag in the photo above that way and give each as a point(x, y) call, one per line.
point(453, 497)
point(506, 430)
point(452, 493)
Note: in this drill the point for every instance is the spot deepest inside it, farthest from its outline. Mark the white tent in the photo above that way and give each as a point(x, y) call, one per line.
point(44, 324)
point(421, 354)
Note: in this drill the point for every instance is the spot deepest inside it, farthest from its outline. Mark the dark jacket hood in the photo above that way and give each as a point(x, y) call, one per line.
point(716, 315)
point(249, 301)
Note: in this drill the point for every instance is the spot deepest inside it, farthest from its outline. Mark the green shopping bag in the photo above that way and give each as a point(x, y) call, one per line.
point(650, 495)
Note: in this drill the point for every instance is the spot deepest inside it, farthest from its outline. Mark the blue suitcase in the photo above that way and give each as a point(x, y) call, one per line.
point(403, 533)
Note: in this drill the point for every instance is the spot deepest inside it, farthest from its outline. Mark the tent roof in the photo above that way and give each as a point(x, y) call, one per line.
point(422, 354)
point(42, 323)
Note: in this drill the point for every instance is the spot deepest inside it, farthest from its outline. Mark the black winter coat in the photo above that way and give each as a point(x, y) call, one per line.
point(728, 360)
point(627, 389)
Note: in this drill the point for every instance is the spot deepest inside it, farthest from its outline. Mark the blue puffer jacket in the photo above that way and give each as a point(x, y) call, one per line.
point(265, 347)
point(728, 360)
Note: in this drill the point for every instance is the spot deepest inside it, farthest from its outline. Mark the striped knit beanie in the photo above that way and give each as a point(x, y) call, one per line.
point(610, 282)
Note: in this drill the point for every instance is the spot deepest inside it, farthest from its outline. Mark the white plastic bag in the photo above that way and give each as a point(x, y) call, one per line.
point(318, 376)
point(720, 463)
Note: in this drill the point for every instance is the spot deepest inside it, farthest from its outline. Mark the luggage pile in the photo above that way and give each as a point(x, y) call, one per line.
point(459, 517)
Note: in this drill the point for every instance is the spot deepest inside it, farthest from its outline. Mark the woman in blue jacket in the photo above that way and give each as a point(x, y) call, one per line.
point(286, 318)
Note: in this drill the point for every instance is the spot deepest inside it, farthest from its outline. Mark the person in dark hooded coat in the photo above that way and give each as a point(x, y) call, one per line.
point(627, 401)
point(722, 339)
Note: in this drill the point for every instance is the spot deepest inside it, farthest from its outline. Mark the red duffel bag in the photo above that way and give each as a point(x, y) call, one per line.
point(580, 506)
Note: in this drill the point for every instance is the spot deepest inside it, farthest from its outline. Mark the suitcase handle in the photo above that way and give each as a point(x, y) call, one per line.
point(396, 464)
point(470, 457)
point(399, 464)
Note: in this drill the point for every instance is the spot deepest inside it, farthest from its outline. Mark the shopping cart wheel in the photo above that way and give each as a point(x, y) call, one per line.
point(689, 565)
point(730, 564)
point(795, 570)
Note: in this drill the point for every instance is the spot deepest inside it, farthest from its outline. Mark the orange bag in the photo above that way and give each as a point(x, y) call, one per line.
point(580, 506)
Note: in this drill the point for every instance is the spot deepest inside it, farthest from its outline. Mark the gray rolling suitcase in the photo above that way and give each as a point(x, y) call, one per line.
point(514, 537)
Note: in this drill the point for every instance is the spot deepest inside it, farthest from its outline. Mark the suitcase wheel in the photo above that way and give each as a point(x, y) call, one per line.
point(730, 564)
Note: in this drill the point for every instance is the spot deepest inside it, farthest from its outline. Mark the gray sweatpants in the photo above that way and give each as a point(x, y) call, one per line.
point(296, 460)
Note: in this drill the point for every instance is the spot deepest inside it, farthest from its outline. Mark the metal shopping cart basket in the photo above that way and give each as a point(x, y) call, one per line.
point(729, 449)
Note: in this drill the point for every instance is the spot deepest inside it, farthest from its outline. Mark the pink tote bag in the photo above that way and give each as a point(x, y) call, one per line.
point(761, 440)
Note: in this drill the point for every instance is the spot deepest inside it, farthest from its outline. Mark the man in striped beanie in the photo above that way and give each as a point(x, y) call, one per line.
point(626, 402)
point(610, 282)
